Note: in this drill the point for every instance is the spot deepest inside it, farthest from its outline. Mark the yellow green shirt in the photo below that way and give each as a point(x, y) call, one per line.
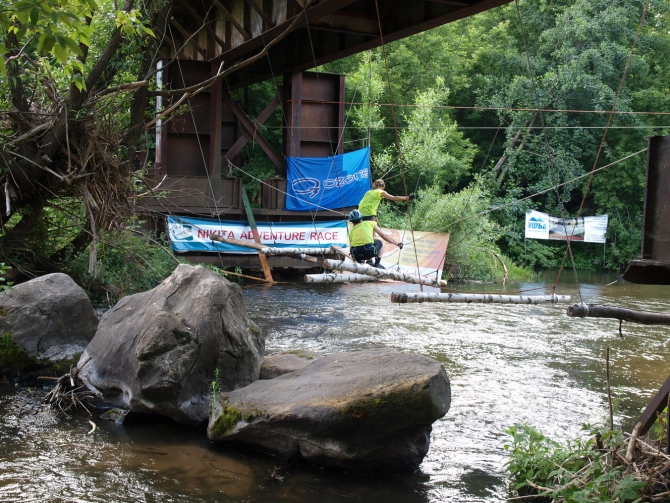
point(370, 202)
point(362, 233)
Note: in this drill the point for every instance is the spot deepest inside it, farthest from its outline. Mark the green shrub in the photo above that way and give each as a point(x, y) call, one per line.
point(128, 262)
point(575, 471)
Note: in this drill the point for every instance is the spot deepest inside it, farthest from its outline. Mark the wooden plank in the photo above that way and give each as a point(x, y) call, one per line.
point(339, 250)
point(238, 242)
point(200, 20)
point(233, 21)
point(188, 36)
point(254, 232)
point(261, 12)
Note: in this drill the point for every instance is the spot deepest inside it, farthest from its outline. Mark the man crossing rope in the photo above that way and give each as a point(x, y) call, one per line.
point(364, 247)
point(372, 198)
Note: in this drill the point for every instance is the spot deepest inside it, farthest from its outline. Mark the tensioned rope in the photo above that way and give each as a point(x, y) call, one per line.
point(332, 153)
point(397, 139)
point(482, 108)
point(609, 120)
point(516, 201)
point(552, 168)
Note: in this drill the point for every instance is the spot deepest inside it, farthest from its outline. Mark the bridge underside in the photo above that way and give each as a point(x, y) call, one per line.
point(286, 36)
point(252, 41)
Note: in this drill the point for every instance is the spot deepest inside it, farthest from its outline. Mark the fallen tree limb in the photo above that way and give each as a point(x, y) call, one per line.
point(619, 313)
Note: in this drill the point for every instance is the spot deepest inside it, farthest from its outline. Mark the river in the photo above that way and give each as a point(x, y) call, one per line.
point(507, 364)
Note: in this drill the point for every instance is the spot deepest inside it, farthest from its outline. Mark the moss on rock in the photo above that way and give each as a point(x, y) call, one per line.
point(225, 422)
point(12, 356)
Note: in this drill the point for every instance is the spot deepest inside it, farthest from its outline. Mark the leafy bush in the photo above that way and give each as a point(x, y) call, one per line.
point(576, 471)
point(128, 262)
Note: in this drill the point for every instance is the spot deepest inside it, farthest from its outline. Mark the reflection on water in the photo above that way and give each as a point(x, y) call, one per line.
point(507, 364)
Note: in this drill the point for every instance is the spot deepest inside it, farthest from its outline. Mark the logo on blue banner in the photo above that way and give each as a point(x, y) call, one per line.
point(329, 182)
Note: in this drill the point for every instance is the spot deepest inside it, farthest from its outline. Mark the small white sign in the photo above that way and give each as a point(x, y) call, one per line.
point(537, 225)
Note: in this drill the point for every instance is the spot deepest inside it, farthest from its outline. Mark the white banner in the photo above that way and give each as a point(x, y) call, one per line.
point(192, 234)
point(587, 229)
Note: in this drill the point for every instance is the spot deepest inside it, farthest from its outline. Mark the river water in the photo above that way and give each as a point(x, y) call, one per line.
point(507, 364)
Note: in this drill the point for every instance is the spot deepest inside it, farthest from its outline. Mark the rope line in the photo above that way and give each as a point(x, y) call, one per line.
point(397, 140)
point(609, 120)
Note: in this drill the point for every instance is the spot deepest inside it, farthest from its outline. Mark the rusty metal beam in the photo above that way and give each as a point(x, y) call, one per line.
point(347, 23)
point(215, 113)
point(656, 405)
point(283, 58)
point(656, 213)
point(313, 13)
point(253, 133)
point(260, 120)
point(232, 19)
point(204, 23)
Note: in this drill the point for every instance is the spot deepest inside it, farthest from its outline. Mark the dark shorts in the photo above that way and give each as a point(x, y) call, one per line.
point(366, 252)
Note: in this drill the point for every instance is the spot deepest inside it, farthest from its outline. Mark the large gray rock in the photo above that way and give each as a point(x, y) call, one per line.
point(287, 361)
point(50, 317)
point(157, 352)
point(368, 411)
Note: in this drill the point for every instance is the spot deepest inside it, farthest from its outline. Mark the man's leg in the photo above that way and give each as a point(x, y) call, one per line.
point(378, 258)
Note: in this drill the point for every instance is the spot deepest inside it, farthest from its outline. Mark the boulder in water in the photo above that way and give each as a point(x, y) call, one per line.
point(366, 411)
point(48, 321)
point(157, 352)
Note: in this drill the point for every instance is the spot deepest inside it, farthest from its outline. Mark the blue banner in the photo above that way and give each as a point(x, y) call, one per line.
point(192, 234)
point(327, 183)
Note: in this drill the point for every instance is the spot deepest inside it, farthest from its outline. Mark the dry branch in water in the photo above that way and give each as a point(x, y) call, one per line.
point(70, 394)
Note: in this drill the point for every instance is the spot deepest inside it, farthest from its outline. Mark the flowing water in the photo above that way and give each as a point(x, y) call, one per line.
point(507, 364)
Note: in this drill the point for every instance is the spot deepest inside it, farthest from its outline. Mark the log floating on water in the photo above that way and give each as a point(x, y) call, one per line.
point(619, 313)
point(297, 253)
point(339, 278)
point(402, 298)
point(296, 250)
point(380, 273)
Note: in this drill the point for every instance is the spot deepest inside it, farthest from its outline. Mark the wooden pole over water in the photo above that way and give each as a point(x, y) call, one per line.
point(339, 278)
point(618, 313)
point(484, 298)
point(254, 232)
point(264, 250)
point(357, 268)
point(267, 250)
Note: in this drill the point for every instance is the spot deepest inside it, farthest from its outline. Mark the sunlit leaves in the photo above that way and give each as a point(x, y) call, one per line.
point(131, 23)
